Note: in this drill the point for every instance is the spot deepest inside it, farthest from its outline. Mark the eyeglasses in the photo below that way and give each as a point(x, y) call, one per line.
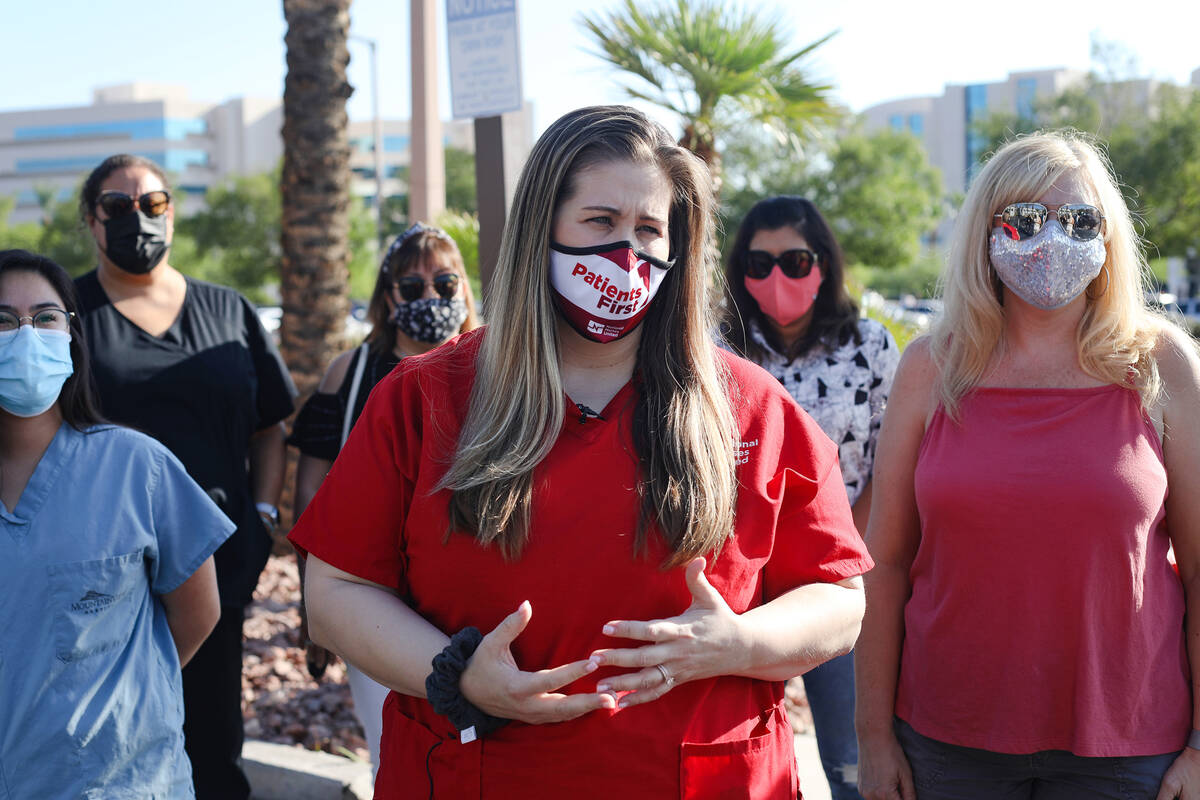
point(1025, 220)
point(46, 319)
point(794, 263)
point(412, 287)
point(118, 204)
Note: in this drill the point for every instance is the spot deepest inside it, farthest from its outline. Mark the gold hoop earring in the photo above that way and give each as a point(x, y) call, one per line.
point(1097, 296)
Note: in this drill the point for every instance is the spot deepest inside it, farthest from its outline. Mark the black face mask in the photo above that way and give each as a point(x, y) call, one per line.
point(135, 242)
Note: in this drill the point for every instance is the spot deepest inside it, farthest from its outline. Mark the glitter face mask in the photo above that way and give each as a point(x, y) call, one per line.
point(1048, 270)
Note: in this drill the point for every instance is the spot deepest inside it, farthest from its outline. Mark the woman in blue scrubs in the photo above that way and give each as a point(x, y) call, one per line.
point(105, 563)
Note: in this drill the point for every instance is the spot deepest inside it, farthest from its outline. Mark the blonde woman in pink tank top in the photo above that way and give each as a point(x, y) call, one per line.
point(1040, 455)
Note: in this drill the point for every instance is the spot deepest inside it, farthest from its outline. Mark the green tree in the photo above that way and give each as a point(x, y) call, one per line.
point(878, 191)
point(460, 180)
point(463, 228)
point(882, 197)
point(718, 67)
point(234, 240)
point(1154, 149)
point(21, 236)
point(364, 250)
point(60, 235)
point(1159, 162)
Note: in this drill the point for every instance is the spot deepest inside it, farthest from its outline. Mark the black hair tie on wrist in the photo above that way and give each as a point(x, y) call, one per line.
point(443, 692)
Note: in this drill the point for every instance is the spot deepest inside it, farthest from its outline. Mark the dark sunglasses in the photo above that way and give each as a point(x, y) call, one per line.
point(118, 204)
point(412, 287)
point(1025, 220)
point(794, 263)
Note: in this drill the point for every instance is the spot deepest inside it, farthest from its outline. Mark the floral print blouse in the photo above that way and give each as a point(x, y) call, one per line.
point(844, 389)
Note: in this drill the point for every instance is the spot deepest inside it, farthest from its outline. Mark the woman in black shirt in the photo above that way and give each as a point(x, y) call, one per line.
point(190, 364)
point(422, 298)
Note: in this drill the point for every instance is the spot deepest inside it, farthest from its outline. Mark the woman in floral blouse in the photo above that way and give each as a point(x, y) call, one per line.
point(788, 311)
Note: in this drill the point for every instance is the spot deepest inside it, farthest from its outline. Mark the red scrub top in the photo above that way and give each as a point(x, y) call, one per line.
point(377, 517)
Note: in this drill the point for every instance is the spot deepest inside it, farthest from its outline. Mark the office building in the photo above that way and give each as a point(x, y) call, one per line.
point(199, 144)
point(946, 124)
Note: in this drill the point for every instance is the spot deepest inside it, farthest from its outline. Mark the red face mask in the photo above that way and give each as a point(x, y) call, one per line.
point(603, 291)
point(784, 299)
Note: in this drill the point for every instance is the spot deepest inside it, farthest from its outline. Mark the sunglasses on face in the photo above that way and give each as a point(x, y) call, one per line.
point(412, 287)
point(118, 204)
point(794, 263)
point(1025, 220)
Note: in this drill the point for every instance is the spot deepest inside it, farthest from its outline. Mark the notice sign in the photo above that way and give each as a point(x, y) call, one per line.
point(485, 57)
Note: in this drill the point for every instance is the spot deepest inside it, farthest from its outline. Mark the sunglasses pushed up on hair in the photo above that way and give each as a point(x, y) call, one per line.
point(118, 204)
point(794, 263)
point(412, 287)
point(1021, 221)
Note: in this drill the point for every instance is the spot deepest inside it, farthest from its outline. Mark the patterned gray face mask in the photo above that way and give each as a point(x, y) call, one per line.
point(1048, 270)
point(431, 319)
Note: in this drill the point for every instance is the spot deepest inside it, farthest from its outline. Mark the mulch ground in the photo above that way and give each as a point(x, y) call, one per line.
point(281, 703)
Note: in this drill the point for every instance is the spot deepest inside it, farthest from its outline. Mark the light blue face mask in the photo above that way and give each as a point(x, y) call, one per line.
point(34, 364)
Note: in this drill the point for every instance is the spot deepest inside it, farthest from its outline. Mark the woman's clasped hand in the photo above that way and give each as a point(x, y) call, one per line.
point(703, 641)
point(494, 682)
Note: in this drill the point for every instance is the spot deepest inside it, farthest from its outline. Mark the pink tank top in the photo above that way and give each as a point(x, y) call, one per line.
point(1044, 614)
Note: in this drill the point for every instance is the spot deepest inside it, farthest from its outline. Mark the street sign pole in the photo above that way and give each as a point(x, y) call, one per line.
point(489, 192)
point(485, 82)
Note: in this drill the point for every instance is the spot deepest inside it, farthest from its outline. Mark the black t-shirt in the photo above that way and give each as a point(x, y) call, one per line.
point(203, 389)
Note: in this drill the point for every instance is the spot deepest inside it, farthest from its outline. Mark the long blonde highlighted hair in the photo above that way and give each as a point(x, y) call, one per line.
point(1116, 334)
point(683, 425)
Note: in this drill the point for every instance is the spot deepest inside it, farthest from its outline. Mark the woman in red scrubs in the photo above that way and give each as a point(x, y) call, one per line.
point(650, 533)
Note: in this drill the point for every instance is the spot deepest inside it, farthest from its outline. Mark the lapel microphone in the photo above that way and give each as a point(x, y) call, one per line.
point(585, 412)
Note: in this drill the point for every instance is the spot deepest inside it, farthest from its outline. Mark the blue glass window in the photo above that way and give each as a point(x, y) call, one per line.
point(916, 124)
point(58, 164)
point(896, 122)
point(170, 160)
point(976, 108)
point(160, 128)
point(1026, 92)
point(396, 144)
point(180, 160)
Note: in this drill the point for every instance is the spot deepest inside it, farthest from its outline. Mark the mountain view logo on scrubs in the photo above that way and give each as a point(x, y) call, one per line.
point(93, 602)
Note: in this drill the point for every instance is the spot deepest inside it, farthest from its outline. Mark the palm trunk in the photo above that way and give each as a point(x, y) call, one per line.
point(315, 186)
point(316, 198)
point(699, 139)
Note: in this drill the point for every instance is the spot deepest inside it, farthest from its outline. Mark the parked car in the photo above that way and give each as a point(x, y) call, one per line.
point(1185, 310)
point(357, 325)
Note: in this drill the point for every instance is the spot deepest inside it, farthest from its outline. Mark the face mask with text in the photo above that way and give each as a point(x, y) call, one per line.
point(603, 291)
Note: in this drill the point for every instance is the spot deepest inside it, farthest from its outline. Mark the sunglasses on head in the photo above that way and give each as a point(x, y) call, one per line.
point(794, 263)
point(1025, 220)
point(412, 287)
point(118, 204)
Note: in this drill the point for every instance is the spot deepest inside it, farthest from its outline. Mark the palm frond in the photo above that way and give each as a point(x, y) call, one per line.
point(696, 57)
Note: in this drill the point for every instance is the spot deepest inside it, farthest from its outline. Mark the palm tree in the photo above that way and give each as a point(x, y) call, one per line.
point(315, 185)
point(715, 65)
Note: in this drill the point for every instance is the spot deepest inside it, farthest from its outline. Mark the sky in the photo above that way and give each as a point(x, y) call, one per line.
point(57, 51)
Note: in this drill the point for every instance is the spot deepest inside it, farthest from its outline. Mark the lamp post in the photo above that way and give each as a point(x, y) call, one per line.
point(377, 140)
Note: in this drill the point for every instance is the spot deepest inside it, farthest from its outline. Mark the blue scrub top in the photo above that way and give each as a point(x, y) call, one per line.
point(91, 700)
